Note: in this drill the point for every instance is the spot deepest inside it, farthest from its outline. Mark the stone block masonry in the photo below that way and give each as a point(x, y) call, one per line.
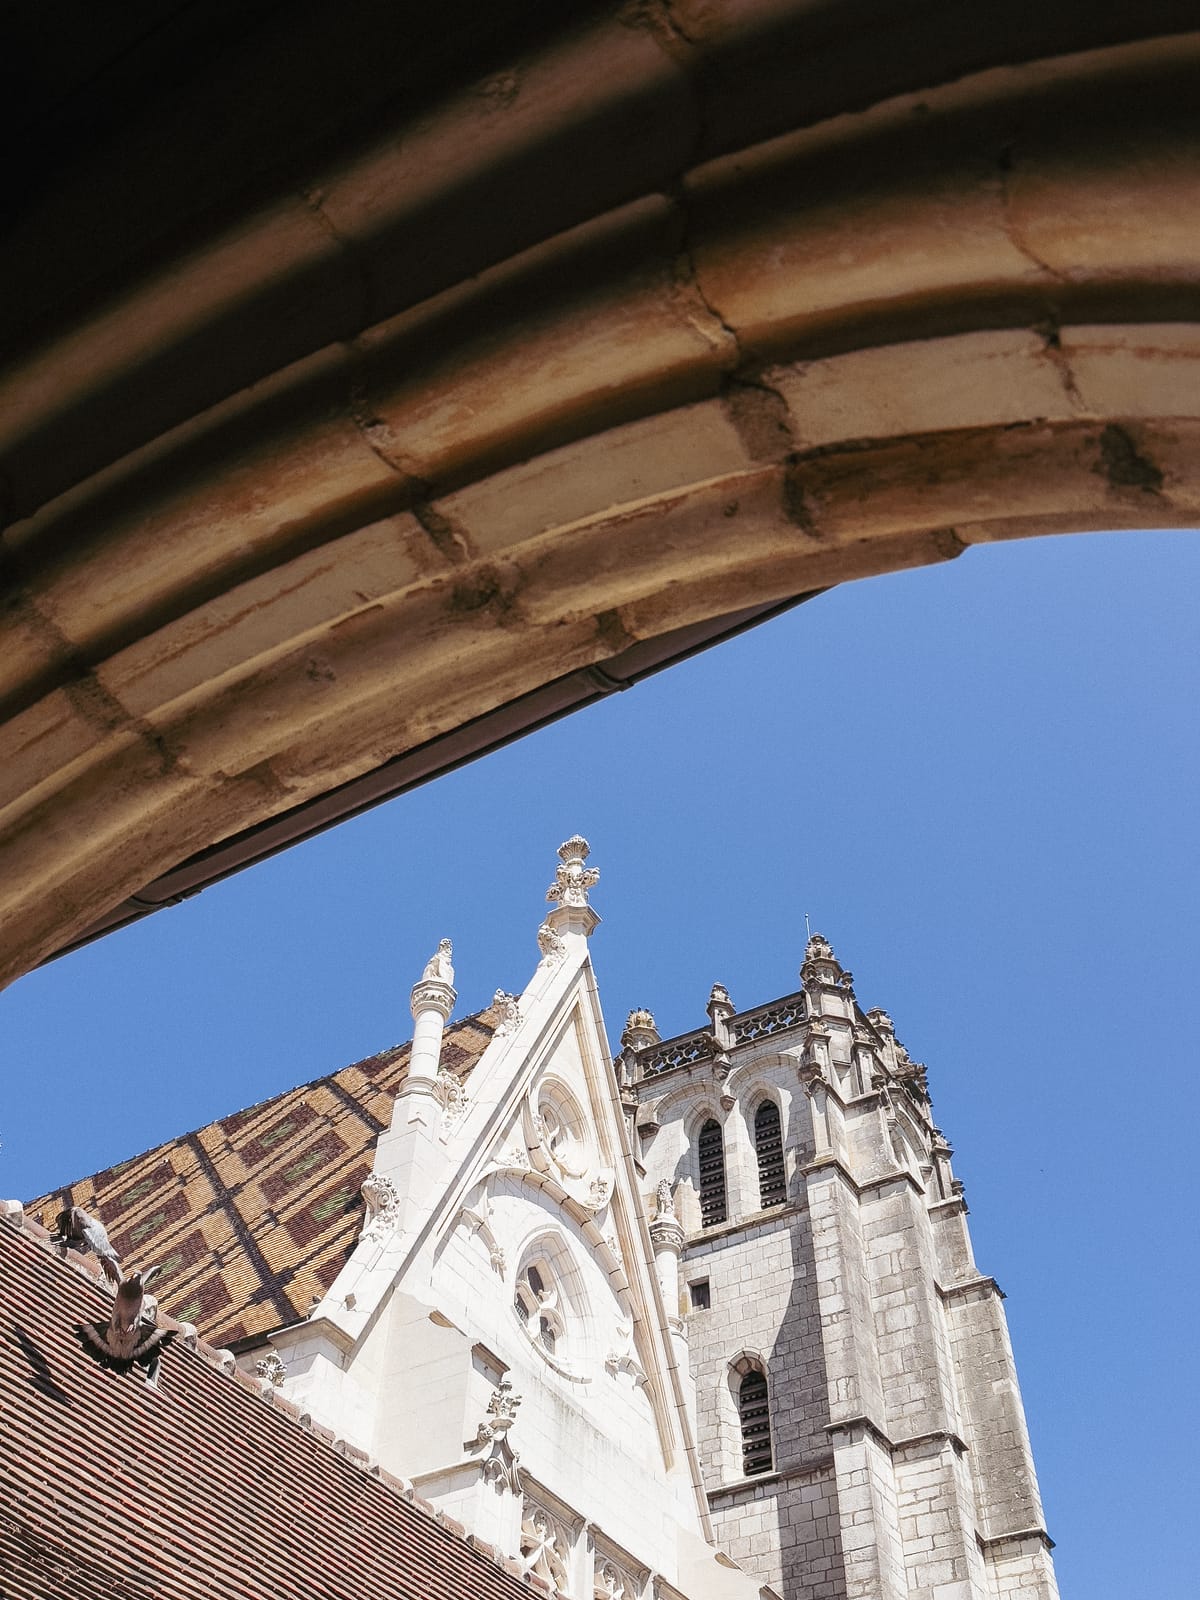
point(899, 1465)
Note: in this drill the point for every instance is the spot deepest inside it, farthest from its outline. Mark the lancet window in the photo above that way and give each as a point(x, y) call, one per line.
point(768, 1148)
point(711, 1150)
point(755, 1419)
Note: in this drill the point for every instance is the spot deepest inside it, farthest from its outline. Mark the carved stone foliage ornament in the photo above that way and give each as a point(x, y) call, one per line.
point(599, 1194)
point(552, 945)
point(271, 1368)
point(383, 1204)
point(517, 1156)
point(449, 1093)
point(572, 879)
point(545, 1547)
point(500, 1466)
point(501, 1412)
point(621, 1359)
point(509, 1007)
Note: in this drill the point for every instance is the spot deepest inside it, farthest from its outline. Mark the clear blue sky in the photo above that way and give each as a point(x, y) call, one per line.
point(979, 781)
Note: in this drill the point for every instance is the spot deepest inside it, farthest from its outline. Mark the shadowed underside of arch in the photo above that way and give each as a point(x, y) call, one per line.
point(370, 378)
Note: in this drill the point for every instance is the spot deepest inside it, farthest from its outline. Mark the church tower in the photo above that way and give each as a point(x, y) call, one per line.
point(703, 1327)
point(858, 1417)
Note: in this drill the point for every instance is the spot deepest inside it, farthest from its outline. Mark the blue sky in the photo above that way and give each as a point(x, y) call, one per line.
point(978, 780)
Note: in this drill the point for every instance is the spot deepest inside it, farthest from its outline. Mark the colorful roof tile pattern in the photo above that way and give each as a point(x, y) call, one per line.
point(253, 1217)
point(203, 1489)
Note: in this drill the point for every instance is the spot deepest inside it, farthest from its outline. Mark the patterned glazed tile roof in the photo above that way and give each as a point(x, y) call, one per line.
point(204, 1489)
point(254, 1216)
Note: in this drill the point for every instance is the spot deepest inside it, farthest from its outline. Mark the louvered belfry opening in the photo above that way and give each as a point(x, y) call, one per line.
point(768, 1147)
point(756, 1424)
point(712, 1174)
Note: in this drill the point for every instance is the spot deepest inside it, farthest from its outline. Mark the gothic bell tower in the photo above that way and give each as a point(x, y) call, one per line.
point(858, 1414)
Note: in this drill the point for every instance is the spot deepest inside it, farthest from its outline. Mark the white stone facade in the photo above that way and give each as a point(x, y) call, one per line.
point(556, 1329)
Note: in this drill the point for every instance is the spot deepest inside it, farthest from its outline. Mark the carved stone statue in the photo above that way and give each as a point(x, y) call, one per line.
point(438, 967)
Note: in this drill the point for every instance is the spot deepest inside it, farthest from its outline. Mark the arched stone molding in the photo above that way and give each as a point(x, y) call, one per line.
point(732, 344)
point(769, 1095)
point(595, 1228)
point(705, 1107)
point(576, 1352)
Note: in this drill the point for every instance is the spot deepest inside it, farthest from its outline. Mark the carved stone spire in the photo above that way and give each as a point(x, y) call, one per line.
point(720, 1011)
point(822, 966)
point(569, 891)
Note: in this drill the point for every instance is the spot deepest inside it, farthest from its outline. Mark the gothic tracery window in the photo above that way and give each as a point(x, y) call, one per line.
point(536, 1302)
point(563, 1129)
point(545, 1548)
point(711, 1151)
point(768, 1149)
point(755, 1420)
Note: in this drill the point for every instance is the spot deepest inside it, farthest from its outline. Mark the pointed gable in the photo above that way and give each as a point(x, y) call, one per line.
point(254, 1216)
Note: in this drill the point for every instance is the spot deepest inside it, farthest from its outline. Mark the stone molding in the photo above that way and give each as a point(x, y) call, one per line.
point(980, 1288)
point(864, 1425)
point(997, 1541)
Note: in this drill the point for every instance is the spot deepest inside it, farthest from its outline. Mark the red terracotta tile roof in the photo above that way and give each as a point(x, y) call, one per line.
point(254, 1216)
point(204, 1489)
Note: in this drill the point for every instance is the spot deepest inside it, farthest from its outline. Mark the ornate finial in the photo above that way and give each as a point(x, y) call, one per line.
point(822, 966)
point(719, 995)
point(640, 1030)
point(502, 1407)
point(572, 879)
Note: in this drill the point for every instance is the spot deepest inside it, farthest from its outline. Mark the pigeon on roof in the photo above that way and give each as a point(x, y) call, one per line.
point(130, 1337)
point(74, 1229)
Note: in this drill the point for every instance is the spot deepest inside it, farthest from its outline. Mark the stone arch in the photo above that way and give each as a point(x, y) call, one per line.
point(728, 345)
point(766, 1126)
point(710, 1163)
point(733, 1406)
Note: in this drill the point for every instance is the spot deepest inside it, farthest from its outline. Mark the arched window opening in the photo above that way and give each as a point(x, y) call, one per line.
point(756, 1424)
point(712, 1174)
point(768, 1147)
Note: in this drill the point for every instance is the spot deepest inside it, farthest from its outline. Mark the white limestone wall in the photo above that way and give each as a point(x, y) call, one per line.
point(584, 1427)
